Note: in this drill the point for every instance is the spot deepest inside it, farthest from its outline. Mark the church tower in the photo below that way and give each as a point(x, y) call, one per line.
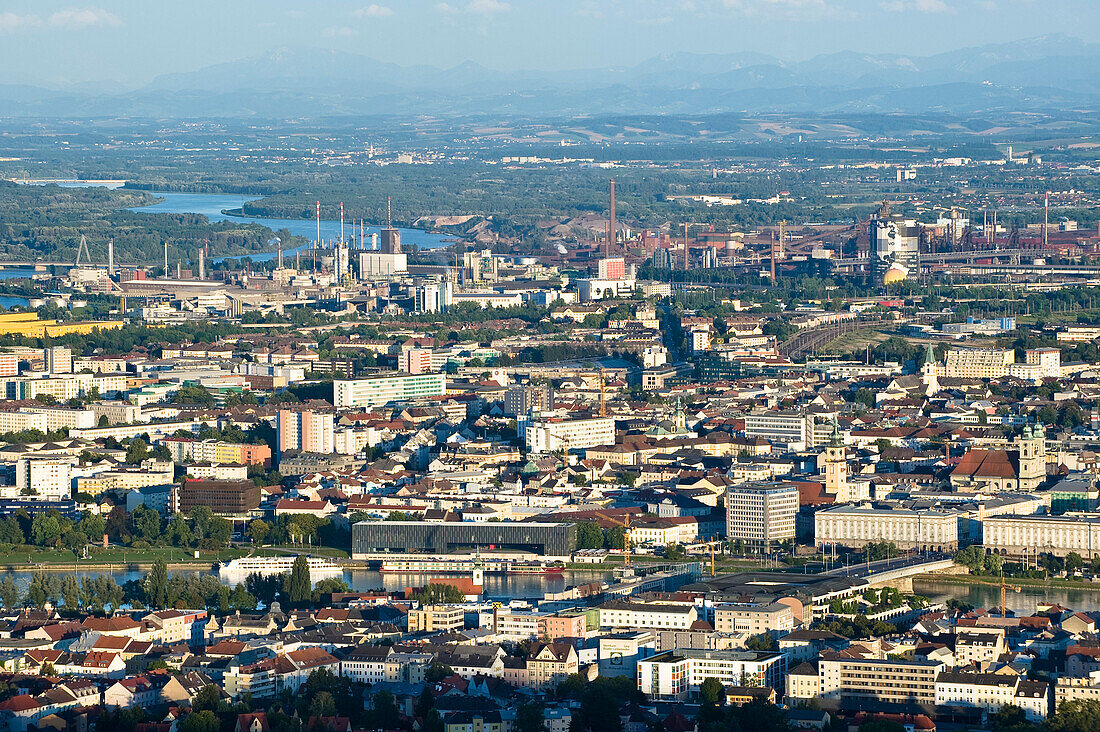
point(1031, 445)
point(835, 467)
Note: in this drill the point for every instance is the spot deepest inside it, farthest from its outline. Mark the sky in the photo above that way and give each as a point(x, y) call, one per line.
point(127, 43)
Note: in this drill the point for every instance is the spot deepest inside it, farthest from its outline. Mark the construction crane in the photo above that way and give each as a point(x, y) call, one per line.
point(1004, 588)
point(625, 524)
point(603, 393)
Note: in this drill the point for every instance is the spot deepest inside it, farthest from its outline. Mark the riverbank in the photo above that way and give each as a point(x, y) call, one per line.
point(113, 558)
point(1063, 584)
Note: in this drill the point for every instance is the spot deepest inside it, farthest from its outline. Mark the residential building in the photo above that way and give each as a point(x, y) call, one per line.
point(753, 619)
point(896, 681)
point(545, 435)
point(306, 431)
point(679, 673)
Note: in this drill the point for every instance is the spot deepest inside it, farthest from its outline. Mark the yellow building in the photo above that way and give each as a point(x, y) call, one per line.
point(29, 325)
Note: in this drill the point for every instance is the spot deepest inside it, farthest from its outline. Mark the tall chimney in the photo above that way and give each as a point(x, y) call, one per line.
point(166, 260)
point(611, 224)
point(202, 263)
point(110, 257)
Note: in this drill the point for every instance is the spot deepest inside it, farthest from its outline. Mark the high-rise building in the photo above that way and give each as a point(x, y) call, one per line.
point(894, 239)
point(306, 431)
point(528, 397)
point(761, 513)
point(416, 361)
point(59, 360)
point(434, 297)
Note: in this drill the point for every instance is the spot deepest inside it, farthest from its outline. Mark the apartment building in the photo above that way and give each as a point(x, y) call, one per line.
point(895, 681)
point(978, 363)
point(991, 691)
point(433, 618)
point(625, 614)
point(306, 431)
point(677, 674)
point(378, 390)
point(761, 513)
point(753, 619)
point(550, 435)
point(43, 479)
point(855, 526)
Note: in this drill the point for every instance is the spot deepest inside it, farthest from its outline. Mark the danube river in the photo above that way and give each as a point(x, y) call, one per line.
point(1022, 602)
point(212, 205)
point(497, 586)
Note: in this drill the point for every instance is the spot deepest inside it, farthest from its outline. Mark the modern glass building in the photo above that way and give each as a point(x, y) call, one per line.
point(461, 537)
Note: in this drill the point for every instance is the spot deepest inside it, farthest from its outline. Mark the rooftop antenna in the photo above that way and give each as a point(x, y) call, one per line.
point(611, 223)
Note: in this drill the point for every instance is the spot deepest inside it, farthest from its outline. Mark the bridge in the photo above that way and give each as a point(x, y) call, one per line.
point(897, 572)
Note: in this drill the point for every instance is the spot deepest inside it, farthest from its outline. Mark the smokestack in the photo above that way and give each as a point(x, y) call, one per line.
point(611, 223)
point(687, 257)
point(202, 264)
point(165, 260)
point(110, 257)
point(342, 223)
point(317, 241)
point(1046, 217)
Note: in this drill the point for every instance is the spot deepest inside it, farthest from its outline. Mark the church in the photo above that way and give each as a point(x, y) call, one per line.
point(1020, 469)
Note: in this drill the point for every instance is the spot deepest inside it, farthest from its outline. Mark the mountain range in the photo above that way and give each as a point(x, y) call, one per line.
point(1053, 72)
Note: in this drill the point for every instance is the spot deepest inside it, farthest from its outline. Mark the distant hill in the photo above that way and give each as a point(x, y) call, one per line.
point(1043, 73)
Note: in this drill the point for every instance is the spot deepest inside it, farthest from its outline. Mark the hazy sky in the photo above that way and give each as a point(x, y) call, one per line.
point(132, 41)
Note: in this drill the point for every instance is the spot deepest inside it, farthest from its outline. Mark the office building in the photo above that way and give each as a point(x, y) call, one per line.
point(612, 268)
point(551, 435)
point(427, 537)
point(856, 526)
point(436, 618)
point(378, 390)
point(223, 497)
point(306, 431)
point(761, 514)
point(785, 428)
point(1029, 536)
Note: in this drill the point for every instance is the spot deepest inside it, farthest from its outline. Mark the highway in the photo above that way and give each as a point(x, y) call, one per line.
point(862, 570)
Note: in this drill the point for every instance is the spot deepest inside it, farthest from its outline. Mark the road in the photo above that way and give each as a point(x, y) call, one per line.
point(862, 570)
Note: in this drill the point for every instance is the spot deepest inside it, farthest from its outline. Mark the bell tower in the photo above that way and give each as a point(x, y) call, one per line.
point(835, 466)
point(1031, 445)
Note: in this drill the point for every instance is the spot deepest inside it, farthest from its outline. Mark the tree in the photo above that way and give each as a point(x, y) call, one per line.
point(437, 671)
point(257, 530)
point(323, 705)
point(589, 535)
point(204, 721)
point(712, 692)
point(529, 717)
point(435, 593)
point(1074, 563)
point(881, 725)
point(762, 642)
point(208, 697)
point(1076, 715)
point(298, 585)
point(145, 524)
point(156, 584)
point(385, 710)
point(616, 538)
point(137, 451)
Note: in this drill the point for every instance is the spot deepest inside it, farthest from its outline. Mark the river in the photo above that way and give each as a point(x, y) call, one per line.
point(212, 205)
point(497, 586)
point(1022, 602)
